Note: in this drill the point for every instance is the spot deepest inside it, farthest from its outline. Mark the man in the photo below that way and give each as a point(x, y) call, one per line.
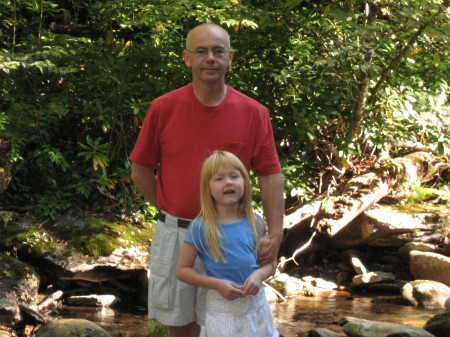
point(181, 129)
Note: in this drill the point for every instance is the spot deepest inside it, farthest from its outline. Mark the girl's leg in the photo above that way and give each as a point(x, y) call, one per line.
point(190, 330)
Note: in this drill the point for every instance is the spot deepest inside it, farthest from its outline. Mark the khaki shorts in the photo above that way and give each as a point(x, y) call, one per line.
point(170, 301)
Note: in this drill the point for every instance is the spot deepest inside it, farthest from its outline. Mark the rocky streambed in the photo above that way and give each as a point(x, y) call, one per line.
point(91, 262)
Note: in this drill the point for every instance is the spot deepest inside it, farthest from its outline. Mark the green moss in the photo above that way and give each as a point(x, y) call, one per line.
point(95, 245)
point(101, 237)
point(409, 208)
point(30, 238)
point(434, 218)
point(98, 237)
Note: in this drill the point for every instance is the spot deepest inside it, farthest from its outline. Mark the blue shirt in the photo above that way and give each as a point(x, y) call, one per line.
point(238, 249)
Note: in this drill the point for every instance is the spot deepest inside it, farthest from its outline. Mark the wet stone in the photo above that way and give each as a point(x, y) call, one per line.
point(72, 328)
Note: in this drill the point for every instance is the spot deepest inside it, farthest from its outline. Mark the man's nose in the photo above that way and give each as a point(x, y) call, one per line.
point(210, 56)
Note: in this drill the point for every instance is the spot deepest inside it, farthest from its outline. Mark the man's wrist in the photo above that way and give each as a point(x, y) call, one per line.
point(275, 235)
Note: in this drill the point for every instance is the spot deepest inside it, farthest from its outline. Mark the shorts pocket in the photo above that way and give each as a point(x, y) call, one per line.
point(161, 286)
point(161, 292)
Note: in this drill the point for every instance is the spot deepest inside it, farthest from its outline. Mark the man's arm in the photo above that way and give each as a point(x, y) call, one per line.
point(273, 204)
point(145, 180)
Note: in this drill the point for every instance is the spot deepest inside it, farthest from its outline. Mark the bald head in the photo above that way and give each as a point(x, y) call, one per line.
point(207, 27)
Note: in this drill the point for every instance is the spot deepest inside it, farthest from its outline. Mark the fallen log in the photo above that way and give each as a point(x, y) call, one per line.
point(322, 220)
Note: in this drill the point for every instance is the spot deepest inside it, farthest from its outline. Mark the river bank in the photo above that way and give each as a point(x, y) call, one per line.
point(294, 318)
point(321, 287)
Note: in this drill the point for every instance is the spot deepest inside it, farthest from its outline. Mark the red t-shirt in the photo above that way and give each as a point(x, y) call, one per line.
point(179, 133)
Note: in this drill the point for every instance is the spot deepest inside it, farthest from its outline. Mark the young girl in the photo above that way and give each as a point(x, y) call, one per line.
point(224, 236)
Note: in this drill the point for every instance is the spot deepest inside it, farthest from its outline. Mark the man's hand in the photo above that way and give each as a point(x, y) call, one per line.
point(268, 249)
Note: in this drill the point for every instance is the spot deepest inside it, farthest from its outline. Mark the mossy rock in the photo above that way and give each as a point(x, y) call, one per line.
point(18, 279)
point(101, 237)
point(95, 237)
point(72, 328)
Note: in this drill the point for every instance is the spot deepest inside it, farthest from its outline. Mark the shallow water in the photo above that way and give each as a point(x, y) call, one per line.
point(301, 314)
point(294, 318)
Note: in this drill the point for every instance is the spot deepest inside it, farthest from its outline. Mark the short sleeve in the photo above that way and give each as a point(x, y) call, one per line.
point(195, 234)
point(265, 157)
point(146, 151)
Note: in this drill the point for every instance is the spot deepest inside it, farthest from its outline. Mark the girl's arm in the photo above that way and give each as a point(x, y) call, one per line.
point(254, 281)
point(186, 273)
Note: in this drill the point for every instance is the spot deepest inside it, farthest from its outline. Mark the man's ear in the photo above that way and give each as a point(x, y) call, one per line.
point(187, 58)
point(230, 58)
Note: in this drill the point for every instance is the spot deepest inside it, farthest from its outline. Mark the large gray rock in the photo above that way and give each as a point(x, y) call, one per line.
point(9, 310)
point(406, 249)
point(382, 329)
point(426, 294)
point(439, 325)
point(93, 300)
point(19, 285)
point(18, 279)
point(348, 319)
point(372, 277)
point(430, 266)
point(72, 328)
point(322, 332)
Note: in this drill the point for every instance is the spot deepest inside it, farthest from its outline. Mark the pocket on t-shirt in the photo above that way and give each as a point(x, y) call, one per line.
point(240, 150)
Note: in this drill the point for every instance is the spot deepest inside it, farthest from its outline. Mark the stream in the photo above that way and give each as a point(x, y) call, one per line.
point(294, 318)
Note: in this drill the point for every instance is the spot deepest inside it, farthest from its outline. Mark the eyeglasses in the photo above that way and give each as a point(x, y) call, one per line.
point(218, 53)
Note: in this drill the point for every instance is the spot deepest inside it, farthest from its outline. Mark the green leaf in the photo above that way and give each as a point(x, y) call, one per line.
point(440, 148)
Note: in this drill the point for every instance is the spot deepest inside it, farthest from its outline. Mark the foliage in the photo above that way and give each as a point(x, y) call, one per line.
point(417, 193)
point(157, 329)
point(77, 79)
point(26, 239)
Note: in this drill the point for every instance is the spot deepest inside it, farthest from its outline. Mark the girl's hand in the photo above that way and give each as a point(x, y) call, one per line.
point(252, 284)
point(229, 290)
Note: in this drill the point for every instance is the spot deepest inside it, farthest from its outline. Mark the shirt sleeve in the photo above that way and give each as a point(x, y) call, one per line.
point(146, 151)
point(265, 159)
point(195, 235)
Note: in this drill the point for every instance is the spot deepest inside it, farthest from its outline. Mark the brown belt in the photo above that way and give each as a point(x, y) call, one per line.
point(181, 222)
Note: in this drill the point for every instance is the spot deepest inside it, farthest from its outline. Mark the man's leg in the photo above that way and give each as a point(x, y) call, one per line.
point(190, 330)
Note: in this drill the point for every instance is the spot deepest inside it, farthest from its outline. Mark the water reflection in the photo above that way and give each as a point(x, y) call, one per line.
point(294, 318)
point(301, 314)
point(119, 322)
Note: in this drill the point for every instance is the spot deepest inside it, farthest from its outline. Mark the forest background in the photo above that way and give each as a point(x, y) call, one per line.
point(347, 82)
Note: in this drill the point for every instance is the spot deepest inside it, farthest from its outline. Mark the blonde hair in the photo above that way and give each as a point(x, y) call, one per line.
point(217, 161)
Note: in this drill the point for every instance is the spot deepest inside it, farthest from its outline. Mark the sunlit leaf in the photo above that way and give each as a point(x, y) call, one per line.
point(440, 148)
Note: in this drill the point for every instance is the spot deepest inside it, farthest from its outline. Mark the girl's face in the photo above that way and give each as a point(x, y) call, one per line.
point(227, 187)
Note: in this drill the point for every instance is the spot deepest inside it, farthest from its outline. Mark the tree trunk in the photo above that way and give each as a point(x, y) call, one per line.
point(318, 222)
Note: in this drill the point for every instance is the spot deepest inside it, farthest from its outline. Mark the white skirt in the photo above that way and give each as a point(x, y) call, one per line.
point(248, 316)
